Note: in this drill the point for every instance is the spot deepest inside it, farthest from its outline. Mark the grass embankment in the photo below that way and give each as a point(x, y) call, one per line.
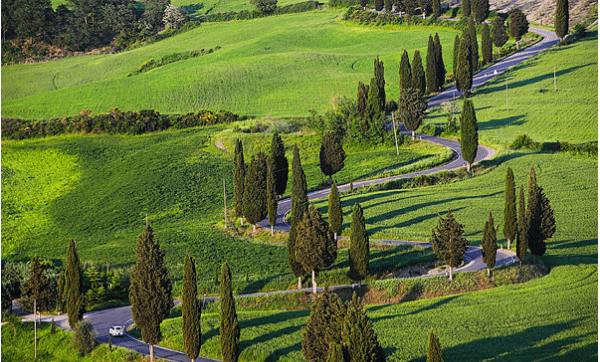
point(278, 65)
point(54, 347)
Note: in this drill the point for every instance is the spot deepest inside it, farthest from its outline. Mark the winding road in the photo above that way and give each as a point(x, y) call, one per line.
point(102, 320)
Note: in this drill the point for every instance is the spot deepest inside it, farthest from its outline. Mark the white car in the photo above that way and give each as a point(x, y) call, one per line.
point(116, 331)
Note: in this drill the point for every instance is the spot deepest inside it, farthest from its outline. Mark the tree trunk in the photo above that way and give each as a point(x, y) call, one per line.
point(450, 273)
point(508, 244)
point(241, 221)
point(468, 166)
point(517, 45)
point(335, 236)
point(489, 272)
point(272, 232)
point(151, 353)
point(413, 135)
point(314, 282)
point(299, 283)
point(254, 228)
point(534, 259)
point(359, 285)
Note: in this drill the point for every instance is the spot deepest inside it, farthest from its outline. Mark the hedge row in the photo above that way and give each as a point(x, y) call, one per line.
point(114, 122)
point(366, 17)
point(172, 58)
point(586, 149)
point(247, 14)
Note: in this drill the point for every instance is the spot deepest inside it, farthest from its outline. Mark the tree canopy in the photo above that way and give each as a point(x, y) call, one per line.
point(448, 242)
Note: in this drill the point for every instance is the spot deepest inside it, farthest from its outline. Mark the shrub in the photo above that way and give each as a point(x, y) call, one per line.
point(523, 141)
point(83, 338)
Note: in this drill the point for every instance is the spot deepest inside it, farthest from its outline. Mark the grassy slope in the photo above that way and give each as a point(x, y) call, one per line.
point(279, 65)
point(54, 347)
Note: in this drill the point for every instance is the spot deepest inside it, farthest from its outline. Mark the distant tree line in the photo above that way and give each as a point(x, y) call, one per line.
point(114, 122)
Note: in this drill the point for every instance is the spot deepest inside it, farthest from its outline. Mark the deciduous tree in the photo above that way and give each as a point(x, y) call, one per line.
point(229, 327)
point(336, 217)
point(510, 207)
point(499, 35)
point(190, 310)
point(150, 290)
point(469, 139)
point(518, 25)
point(488, 244)
point(418, 73)
point(358, 250)
point(448, 242)
point(411, 109)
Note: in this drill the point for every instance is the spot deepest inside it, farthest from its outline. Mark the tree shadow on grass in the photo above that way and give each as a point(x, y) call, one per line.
point(499, 123)
point(523, 346)
point(438, 303)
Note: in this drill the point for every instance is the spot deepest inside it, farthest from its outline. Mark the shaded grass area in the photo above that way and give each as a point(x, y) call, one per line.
point(278, 65)
point(54, 347)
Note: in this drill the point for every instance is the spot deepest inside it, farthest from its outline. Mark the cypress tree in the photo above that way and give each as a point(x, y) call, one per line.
point(229, 327)
point(448, 242)
point(486, 44)
point(73, 294)
point(358, 250)
point(468, 133)
point(362, 99)
point(336, 353)
point(150, 290)
point(378, 5)
point(323, 326)
point(488, 244)
point(518, 25)
point(561, 18)
point(280, 164)
point(464, 70)
point(255, 190)
point(437, 8)
point(387, 4)
point(299, 208)
point(358, 335)
point(190, 310)
point(332, 155)
point(271, 196)
point(315, 248)
point(411, 108)
point(540, 218)
point(466, 8)
point(239, 178)
point(434, 350)
point(499, 35)
point(363, 4)
point(455, 56)
point(418, 73)
point(439, 62)
point(373, 104)
point(522, 241)
point(37, 286)
point(431, 70)
point(336, 217)
point(61, 306)
point(480, 9)
point(379, 74)
point(474, 45)
point(406, 80)
point(510, 207)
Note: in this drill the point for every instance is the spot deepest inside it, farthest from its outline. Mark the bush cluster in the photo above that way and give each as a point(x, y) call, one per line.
point(366, 17)
point(586, 149)
point(114, 122)
point(247, 14)
point(172, 58)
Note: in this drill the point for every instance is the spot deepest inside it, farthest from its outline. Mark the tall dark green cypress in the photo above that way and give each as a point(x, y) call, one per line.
point(466, 8)
point(73, 294)
point(229, 327)
point(334, 211)
point(455, 55)
point(488, 244)
point(255, 190)
point(406, 80)
point(331, 155)
point(431, 70)
point(510, 207)
point(448, 242)
point(387, 5)
point(474, 45)
point(469, 139)
point(486, 44)
point(437, 8)
point(561, 18)
point(434, 350)
point(150, 290)
point(378, 5)
point(518, 25)
point(540, 217)
point(373, 105)
point(358, 250)
point(379, 74)
point(336, 353)
point(363, 4)
point(418, 73)
point(499, 35)
point(362, 99)
point(439, 62)
point(280, 164)
point(299, 208)
point(190, 310)
point(411, 109)
point(37, 286)
point(315, 247)
point(239, 178)
point(271, 196)
point(522, 238)
point(480, 9)
point(358, 335)
point(464, 71)
point(323, 327)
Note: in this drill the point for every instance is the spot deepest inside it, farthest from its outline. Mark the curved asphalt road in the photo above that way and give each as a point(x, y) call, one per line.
point(102, 320)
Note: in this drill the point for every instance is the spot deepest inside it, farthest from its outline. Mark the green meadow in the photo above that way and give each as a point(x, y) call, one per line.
point(278, 65)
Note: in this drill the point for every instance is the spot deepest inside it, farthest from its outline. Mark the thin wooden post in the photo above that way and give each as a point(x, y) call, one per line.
point(395, 135)
point(225, 203)
point(554, 65)
point(146, 219)
point(507, 95)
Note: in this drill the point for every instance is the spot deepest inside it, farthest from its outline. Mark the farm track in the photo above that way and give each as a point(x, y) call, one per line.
point(102, 320)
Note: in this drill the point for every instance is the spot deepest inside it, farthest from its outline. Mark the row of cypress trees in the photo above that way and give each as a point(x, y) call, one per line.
point(431, 80)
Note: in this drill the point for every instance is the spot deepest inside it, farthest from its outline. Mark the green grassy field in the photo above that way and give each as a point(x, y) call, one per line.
point(54, 347)
point(279, 66)
point(570, 114)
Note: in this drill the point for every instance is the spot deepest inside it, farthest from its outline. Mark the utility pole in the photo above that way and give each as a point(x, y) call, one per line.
point(554, 65)
point(395, 135)
point(507, 95)
point(225, 202)
point(35, 328)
